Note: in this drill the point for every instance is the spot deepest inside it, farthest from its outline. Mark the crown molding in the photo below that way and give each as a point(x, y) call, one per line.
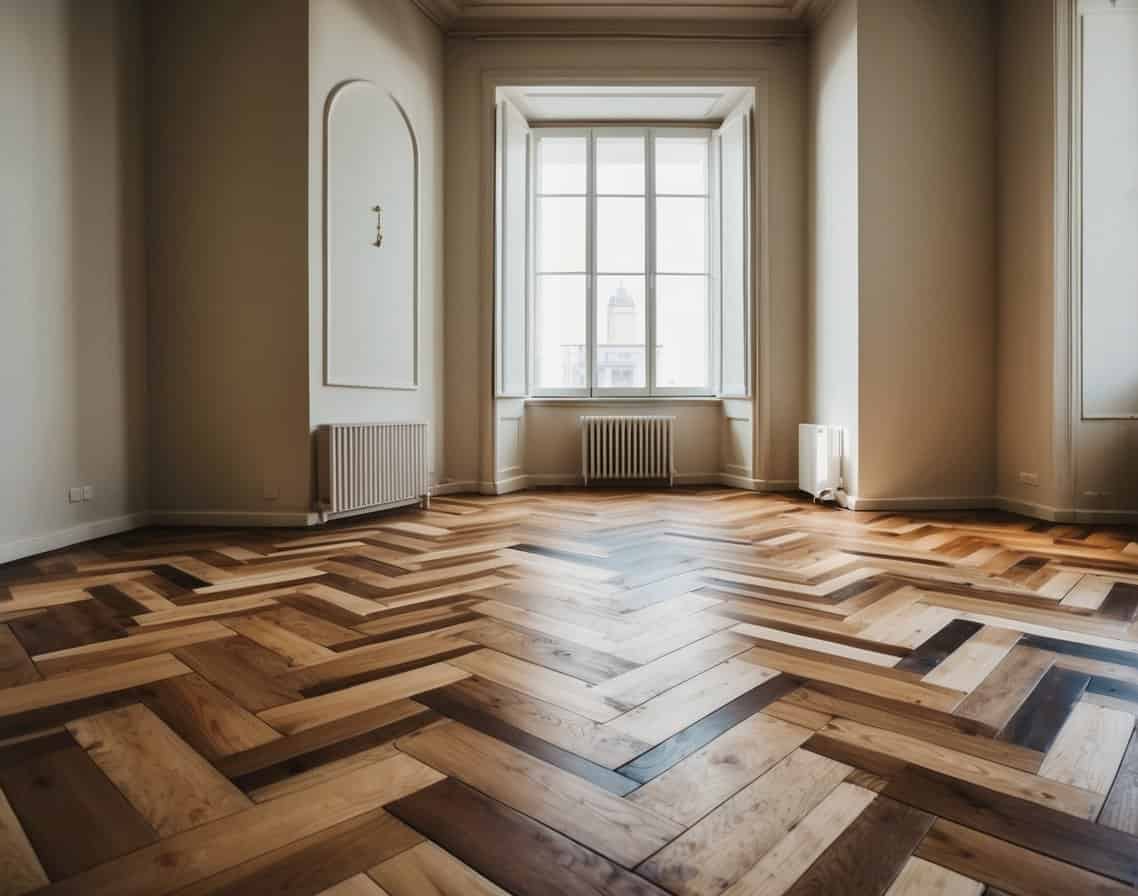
point(649, 18)
point(442, 12)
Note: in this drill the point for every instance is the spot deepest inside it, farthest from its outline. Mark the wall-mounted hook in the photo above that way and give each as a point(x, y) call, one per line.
point(378, 209)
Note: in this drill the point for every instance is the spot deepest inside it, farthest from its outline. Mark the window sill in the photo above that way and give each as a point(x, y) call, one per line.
point(587, 401)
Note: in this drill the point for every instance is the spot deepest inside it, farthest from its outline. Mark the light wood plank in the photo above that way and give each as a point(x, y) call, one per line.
point(170, 785)
point(1089, 747)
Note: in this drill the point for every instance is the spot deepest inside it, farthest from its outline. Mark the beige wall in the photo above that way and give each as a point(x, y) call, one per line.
point(72, 342)
point(472, 66)
point(1025, 347)
point(227, 158)
point(393, 44)
point(833, 296)
point(927, 154)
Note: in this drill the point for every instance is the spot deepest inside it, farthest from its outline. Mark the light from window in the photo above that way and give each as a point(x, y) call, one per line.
point(621, 255)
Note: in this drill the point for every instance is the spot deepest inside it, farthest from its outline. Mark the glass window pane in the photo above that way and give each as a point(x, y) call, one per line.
point(561, 164)
point(681, 165)
point(620, 165)
point(620, 235)
point(561, 234)
point(560, 358)
point(620, 332)
point(681, 332)
point(681, 236)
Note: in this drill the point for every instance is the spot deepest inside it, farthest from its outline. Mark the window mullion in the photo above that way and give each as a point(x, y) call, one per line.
point(591, 261)
point(650, 259)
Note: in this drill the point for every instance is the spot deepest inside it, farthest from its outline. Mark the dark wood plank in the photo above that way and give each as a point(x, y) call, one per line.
point(936, 649)
point(519, 854)
point(1008, 867)
point(70, 625)
point(869, 854)
point(447, 702)
point(177, 577)
point(15, 665)
point(1036, 723)
point(1087, 651)
point(1121, 602)
point(319, 737)
point(666, 754)
point(116, 600)
point(73, 815)
point(1065, 837)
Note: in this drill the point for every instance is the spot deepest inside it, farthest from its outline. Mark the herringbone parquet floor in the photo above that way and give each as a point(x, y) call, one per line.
point(696, 692)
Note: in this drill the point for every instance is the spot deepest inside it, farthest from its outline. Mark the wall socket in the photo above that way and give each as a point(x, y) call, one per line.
point(1029, 478)
point(78, 493)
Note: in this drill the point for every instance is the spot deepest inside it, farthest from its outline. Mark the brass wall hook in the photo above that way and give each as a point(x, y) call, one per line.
point(378, 209)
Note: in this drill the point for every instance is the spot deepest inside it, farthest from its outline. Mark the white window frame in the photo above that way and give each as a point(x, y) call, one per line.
point(650, 389)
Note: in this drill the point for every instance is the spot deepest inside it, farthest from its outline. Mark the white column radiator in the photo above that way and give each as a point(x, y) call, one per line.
point(628, 448)
point(371, 466)
point(820, 460)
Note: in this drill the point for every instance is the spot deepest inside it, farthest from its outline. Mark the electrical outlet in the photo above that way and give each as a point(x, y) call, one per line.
point(1029, 478)
point(75, 494)
point(88, 493)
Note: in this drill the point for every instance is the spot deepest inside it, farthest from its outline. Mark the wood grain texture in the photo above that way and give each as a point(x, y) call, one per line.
point(700, 690)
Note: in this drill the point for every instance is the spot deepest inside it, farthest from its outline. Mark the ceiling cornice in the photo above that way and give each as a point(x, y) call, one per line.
point(648, 18)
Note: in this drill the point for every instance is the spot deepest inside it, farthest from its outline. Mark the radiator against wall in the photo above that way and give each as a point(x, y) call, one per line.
point(820, 460)
point(371, 466)
point(628, 448)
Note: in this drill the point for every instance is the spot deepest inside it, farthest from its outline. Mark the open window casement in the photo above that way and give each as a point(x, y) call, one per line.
point(511, 311)
point(733, 239)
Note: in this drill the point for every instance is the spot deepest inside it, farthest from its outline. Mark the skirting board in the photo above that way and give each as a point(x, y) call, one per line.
point(853, 502)
point(31, 545)
point(258, 519)
point(539, 480)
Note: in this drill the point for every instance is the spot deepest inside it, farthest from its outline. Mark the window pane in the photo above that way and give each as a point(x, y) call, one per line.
point(681, 331)
point(620, 332)
point(561, 164)
point(681, 165)
point(620, 165)
point(561, 234)
point(681, 236)
point(620, 235)
point(560, 358)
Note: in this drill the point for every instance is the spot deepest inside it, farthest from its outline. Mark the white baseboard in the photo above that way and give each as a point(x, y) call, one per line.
point(974, 502)
point(457, 487)
point(30, 545)
point(1033, 509)
point(230, 518)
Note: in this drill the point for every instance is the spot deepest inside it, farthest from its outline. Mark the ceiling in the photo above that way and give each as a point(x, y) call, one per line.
point(629, 103)
point(508, 15)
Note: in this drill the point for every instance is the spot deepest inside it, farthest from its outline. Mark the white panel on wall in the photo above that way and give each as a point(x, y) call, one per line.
point(734, 142)
point(371, 291)
point(1110, 212)
point(512, 270)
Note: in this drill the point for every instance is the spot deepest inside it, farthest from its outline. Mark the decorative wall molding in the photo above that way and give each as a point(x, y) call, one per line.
point(400, 235)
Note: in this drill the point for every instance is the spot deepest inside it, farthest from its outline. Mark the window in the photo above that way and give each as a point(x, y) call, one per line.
point(621, 262)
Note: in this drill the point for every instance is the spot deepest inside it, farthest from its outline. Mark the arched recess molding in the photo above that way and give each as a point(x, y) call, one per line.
point(371, 292)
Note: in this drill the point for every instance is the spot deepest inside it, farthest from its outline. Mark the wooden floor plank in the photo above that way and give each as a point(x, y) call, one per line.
point(1011, 868)
point(426, 870)
point(170, 784)
point(728, 842)
point(728, 691)
point(519, 854)
point(594, 817)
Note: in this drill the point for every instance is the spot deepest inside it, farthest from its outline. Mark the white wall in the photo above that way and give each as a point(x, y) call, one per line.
point(833, 319)
point(72, 342)
point(780, 237)
point(1026, 199)
point(393, 44)
point(927, 271)
point(227, 154)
